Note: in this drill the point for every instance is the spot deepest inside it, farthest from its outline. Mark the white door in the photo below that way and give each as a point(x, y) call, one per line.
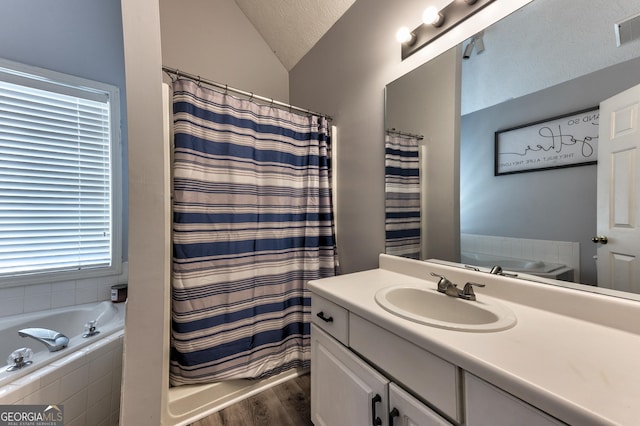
point(344, 390)
point(619, 192)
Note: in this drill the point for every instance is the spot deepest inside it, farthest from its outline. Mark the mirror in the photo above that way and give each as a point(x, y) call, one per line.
point(541, 62)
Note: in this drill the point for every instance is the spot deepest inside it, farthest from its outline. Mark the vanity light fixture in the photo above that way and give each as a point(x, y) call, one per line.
point(404, 35)
point(432, 16)
point(437, 22)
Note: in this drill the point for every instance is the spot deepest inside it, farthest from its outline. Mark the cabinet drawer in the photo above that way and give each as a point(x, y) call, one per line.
point(417, 370)
point(331, 318)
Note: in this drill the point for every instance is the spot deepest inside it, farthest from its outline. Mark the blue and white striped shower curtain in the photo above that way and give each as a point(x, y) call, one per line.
point(402, 196)
point(252, 224)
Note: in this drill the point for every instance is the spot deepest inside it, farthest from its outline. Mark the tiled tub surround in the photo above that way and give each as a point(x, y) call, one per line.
point(563, 252)
point(41, 297)
point(572, 354)
point(85, 377)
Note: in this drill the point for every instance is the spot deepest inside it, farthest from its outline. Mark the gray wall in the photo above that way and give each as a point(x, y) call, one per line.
point(214, 39)
point(544, 44)
point(344, 75)
point(76, 37)
point(557, 204)
point(426, 101)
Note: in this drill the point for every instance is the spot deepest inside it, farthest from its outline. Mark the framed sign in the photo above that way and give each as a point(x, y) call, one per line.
point(566, 141)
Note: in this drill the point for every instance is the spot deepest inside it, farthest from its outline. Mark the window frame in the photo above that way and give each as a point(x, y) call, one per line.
point(45, 79)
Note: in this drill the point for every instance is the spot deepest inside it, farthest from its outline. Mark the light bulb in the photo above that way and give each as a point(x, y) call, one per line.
point(404, 35)
point(431, 16)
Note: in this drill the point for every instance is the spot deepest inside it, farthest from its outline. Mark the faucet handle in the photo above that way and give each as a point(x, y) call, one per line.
point(467, 291)
point(443, 282)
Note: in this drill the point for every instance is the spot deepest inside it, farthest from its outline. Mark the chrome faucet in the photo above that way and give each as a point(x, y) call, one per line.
point(447, 287)
point(467, 291)
point(497, 270)
point(53, 340)
point(450, 289)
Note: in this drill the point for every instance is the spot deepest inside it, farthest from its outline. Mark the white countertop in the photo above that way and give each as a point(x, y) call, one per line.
point(579, 363)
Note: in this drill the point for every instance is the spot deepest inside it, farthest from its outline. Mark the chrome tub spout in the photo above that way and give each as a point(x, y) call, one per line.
point(53, 340)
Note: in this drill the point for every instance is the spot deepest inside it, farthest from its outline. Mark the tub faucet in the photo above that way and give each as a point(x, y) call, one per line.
point(53, 340)
point(497, 270)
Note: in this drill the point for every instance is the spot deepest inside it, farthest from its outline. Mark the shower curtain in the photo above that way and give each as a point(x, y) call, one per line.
point(252, 224)
point(402, 196)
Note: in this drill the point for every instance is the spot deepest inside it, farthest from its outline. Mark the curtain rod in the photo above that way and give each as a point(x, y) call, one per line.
point(250, 95)
point(399, 133)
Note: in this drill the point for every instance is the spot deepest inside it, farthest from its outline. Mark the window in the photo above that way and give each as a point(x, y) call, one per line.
point(59, 176)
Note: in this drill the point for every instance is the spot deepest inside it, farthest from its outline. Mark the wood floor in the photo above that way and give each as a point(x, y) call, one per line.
point(288, 404)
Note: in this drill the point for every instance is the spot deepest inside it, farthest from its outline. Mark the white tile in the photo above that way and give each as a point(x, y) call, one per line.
point(9, 395)
point(78, 421)
point(99, 413)
point(100, 390)
point(505, 247)
point(11, 292)
point(25, 386)
point(11, 306)
point(75, 406)
point(88, 293)
point(65, 366)
point(75, 381)
point(527, 251)
point(37, 302)
point(104, 291)
point(49, 394)
point(31, 290)
point(101, 366)
point(62, 298)
point(62, 286)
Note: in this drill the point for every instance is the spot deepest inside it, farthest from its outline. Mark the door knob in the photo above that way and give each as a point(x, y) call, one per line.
point(601, 239)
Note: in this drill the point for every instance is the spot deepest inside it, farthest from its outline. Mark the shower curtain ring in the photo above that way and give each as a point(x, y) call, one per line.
point(251, 97)
point(199, 81)
point(271, 103)
point(226, 89)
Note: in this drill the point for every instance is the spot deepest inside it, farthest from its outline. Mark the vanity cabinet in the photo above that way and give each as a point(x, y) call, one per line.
point(344, 389)
point(432, 378)
point(347, 391)
point(405, 410)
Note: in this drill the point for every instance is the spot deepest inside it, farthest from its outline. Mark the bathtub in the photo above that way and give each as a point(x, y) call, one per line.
point(84, 377)
point(509, 263)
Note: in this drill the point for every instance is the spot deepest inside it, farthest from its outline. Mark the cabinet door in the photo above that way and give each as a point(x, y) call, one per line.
point(405, 410)
point(344, 390)
point(488, 405)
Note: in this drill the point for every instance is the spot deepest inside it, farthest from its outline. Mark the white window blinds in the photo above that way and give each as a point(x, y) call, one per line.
point(55, 179)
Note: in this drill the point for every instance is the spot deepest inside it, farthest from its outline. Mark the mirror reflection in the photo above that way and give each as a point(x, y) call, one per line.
point(540, 63)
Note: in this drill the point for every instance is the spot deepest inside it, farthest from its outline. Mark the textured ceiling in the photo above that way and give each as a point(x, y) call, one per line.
point(292, 27)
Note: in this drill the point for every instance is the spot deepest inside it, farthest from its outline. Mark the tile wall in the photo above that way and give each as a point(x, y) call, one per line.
point(564, 252)
point(86, 383)
point(42, 297)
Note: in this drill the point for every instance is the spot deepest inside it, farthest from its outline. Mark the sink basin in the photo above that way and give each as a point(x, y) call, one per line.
point(426, 306)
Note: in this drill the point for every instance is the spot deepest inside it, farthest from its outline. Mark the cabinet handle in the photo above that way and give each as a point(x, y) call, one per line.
point(377, 421)
point(392, 415)
point(323, 318)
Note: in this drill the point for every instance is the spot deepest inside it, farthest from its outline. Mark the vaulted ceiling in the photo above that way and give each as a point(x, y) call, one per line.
point(292, 27)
